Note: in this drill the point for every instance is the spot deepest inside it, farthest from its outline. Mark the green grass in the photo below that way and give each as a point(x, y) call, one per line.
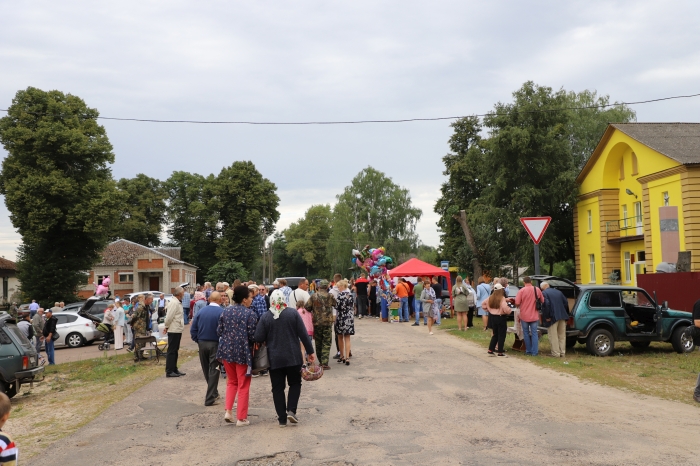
point(73, 394)
point(657, 370)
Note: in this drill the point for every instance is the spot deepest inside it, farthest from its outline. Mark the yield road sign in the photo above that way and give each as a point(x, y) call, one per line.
point(535, 227)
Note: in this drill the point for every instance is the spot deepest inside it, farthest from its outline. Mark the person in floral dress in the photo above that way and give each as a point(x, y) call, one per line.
point(345, 321)
point(236, 331)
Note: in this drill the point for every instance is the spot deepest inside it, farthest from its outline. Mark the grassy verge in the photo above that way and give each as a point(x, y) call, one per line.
point(73, 394)
point(657, 370)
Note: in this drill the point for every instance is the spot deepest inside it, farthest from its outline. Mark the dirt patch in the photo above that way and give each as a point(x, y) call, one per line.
point(287, 458)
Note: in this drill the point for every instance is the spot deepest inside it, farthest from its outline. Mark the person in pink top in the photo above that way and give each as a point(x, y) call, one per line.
point(308, 319)
point(529, 315)
point(497, 308)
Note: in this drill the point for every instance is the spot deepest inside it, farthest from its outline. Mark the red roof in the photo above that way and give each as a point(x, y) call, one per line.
point(415, 268)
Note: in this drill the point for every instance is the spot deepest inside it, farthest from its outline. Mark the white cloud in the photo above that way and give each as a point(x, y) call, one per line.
point(318, 60)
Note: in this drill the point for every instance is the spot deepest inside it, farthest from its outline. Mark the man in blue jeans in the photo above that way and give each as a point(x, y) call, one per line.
point(49, 331)
point(417, 291)
point(401, 291)
point(529, 315)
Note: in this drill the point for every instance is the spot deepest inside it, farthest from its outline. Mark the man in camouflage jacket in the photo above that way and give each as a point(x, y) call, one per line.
point(139, 323)
point(321, 305)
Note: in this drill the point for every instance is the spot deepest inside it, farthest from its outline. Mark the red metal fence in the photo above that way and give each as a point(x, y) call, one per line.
point(680, 289)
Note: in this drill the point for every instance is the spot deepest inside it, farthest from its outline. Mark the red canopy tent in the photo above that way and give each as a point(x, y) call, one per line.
point(418, 268)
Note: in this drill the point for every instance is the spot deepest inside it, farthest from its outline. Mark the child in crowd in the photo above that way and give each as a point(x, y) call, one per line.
point(308, 319)
point(8, 449)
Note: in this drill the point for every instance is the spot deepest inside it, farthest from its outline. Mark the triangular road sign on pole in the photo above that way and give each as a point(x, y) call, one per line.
point(535, 227)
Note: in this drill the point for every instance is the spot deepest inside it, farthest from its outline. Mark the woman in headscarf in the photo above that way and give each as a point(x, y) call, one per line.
point(236, 330)
point(281, 329)
point(199, 302)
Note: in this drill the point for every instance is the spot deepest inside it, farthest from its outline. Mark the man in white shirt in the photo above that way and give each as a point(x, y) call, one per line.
point(300, 294)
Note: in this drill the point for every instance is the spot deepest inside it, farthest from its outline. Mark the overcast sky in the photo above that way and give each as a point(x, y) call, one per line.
point(323, 60)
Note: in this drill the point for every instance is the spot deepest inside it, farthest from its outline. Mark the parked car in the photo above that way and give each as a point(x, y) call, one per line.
point(18, 359)
point(74, 331)
point(292, 282)
point(73, 307)
point(156, 295)
point(604, 314)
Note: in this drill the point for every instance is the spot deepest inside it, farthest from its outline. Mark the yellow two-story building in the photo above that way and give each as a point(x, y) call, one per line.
point(639, 201)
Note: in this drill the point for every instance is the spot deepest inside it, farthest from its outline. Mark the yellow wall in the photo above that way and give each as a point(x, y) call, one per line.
point(632, 247)
point(605, 174)
point(589, 241)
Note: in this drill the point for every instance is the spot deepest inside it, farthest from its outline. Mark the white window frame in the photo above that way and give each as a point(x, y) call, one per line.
point(590, 221)
point(624, 215)
point(591, 264)
point(628, 267)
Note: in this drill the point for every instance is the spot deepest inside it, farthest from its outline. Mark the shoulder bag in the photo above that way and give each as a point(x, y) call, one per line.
point(260, 360)
point(538, 304)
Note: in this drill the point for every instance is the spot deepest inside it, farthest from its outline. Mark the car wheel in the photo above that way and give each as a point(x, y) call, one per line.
point(9, 389)
point(682, 341)
point(640, 344)
point(600, 342)
point(571, 342)
point(75, 340)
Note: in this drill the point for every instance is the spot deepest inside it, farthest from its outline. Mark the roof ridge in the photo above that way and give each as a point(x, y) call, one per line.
point(150, 250)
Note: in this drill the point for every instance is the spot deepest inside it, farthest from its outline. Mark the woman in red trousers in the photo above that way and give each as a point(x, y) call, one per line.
point(236, 330)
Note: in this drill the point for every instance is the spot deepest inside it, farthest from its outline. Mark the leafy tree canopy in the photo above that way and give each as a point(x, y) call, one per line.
point(526, 165)
point(58, 188)
point(247, 206)
point(307, 240)
point(143, 214)
point(226, 271)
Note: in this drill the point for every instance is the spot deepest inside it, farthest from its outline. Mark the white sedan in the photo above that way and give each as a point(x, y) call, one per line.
point(74, 331)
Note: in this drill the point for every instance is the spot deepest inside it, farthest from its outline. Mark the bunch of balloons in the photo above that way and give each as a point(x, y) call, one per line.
point(375, 263)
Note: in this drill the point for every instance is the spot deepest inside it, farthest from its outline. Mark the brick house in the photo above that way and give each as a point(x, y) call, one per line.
point(133, 267)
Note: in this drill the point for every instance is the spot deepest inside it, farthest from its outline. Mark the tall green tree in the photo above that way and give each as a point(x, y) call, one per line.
point(247, 205)
point(226, 271)
point(372, 210)
point(143, 214)
point(193, 219)
point(525, 166)
point(58, 188)
point(307, 240)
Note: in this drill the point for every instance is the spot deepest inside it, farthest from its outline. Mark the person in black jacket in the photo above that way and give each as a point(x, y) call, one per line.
point(49, 332)
point(555, 313)
point(281, 329)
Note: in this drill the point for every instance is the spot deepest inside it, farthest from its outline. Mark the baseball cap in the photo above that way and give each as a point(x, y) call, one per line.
point(323, 284)
point(497, 286)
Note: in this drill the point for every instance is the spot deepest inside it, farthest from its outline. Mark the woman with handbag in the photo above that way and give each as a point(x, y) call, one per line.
point(281, 329)
point(498, 309)
point(236, 330)
point(460, 295)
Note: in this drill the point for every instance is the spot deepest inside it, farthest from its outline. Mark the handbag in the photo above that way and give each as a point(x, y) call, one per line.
point(311, 373)
point(55, 336)
point(261, 362)
point(538, 304)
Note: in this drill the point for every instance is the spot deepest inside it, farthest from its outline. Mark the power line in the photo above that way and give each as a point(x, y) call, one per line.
point(404, 120)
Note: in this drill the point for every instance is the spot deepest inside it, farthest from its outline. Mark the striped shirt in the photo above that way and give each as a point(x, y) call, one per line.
point(8, 450)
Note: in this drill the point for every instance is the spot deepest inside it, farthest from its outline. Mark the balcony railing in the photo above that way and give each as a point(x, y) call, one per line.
point(630, 229)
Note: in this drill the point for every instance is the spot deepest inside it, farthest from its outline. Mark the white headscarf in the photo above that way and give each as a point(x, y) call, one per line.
point(277, 303)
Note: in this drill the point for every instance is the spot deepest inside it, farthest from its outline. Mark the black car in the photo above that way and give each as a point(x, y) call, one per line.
point(18, 359)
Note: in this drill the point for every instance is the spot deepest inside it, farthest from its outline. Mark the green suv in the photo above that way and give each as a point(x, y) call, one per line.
point(18, 358)
point(604, 314)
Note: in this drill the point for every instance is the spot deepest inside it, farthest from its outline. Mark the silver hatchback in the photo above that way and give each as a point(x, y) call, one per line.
point(73, 330)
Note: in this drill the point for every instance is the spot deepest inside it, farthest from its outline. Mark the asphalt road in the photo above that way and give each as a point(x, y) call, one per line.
point(407, 398)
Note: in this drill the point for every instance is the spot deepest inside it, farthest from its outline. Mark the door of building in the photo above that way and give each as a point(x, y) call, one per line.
point(153, 284)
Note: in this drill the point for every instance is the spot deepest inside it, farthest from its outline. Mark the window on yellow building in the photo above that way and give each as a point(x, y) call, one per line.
point(590, 221)
point(667, 199)
point(628, 267)
point(591, 261)
point(624, 216)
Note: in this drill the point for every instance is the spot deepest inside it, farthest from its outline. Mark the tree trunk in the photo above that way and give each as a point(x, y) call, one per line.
point(462, 219)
